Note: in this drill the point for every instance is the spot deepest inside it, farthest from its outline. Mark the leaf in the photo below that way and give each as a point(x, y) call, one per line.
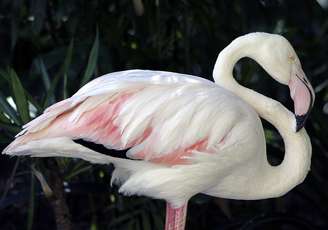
point(156, 215)
point(19, 96)
point(7, 109)
point(30, 215)
point(33, 102)
point(44, 73)
point(4, 119)
point(44, 184)
point(125, 217)
point(68, 59)
point(48, 99)
point(93, 226)
point(158, 222)
point(45, 78)
point(145, 221)
point(4, 74)
point(78, 164)
point(65, 94)
point(63, 70)
point(77, 172)
point(92, 61)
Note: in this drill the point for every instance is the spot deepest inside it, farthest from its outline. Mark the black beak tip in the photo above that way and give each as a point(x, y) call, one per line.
point(300, 121)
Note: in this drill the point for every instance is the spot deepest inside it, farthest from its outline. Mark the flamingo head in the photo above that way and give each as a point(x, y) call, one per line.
point(280, 60)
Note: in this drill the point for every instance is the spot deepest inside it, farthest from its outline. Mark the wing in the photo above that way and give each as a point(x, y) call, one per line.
point(161, 116)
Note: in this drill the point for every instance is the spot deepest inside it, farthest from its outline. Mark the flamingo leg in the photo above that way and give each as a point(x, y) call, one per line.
point(175, 217)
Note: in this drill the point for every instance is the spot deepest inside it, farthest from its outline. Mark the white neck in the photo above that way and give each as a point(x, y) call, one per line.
point(274, 180)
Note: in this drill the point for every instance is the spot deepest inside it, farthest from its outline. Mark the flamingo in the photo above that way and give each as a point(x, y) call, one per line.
point(184, 134)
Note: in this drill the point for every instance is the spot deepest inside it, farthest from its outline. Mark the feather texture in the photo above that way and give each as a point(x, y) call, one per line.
point(145, 112)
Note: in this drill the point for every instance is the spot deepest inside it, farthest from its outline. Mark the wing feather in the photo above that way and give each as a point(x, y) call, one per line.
point(163, 116)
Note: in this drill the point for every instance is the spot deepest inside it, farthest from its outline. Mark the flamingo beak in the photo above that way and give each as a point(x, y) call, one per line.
point(302, 94)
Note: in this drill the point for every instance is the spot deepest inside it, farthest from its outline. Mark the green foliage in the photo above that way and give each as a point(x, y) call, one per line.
point(62, 73)
point(19, 96)
point(31, 204)
point(51, 48)
point(8, 110)
point(92, 61)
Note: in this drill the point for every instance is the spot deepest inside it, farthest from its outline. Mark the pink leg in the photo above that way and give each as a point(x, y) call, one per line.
point(175, 217)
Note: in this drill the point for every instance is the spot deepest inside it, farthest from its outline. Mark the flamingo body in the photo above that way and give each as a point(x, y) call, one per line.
point(157, 115)
point(184, 134)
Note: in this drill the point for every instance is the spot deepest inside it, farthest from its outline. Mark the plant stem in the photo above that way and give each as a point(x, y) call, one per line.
point(57, 199)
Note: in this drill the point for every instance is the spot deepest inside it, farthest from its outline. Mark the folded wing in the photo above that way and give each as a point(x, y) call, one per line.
point(159, 116)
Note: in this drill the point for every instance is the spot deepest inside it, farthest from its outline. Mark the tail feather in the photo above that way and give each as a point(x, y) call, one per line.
point(60, 147)
point(65, 147)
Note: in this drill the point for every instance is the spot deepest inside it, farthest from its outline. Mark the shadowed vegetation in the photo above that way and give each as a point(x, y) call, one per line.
point(49, 49)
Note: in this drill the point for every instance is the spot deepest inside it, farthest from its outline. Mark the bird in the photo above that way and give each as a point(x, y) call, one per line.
point(184, 134)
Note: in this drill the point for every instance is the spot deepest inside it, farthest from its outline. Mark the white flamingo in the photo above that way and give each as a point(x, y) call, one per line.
point(190, 135)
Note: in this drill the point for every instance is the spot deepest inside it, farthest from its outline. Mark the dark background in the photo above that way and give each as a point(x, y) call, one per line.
point(48, 49)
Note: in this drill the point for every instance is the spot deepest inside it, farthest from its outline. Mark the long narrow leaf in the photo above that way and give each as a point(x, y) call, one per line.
point(4, 119)
point(39, 63)
point(33, 102)
point(77, 165)
point(44, 73)
point(145, 221)
point(7, 109)
point(19, 96)
point(50, 92)
point(30, 215)
point(158, 222)
point(77, 172)
point(63, 70)
point(65, 94)
point(93, 224)
point(68, 58)
point(156, 216)
point(4, 74)
point(92, 61)
point(44, 184)
point(124, 217)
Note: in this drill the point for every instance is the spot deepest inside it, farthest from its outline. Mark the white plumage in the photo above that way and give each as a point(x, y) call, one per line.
point(194, 136)
point(167, 103)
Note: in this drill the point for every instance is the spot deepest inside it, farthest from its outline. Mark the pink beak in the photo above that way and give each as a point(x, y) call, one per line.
point(302, 94)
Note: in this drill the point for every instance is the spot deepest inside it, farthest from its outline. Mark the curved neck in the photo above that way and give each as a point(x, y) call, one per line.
point(276, 180)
